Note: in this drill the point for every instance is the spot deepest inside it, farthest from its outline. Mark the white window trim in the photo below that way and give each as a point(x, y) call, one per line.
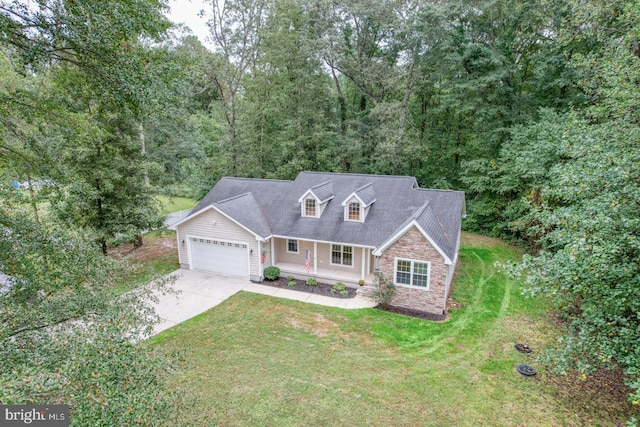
point(353, 255)
point(395, 273)
point(297, 246)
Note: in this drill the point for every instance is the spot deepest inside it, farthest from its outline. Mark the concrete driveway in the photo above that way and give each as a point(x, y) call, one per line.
point(199, 291)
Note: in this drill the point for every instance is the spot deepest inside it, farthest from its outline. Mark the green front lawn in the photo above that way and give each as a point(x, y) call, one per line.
point(260, 361)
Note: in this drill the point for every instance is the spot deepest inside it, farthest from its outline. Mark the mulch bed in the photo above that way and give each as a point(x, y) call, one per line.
point(414, 313)
point(325, 290)
point(320, 289)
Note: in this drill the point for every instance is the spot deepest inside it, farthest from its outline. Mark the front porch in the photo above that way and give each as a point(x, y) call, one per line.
point(323, 274)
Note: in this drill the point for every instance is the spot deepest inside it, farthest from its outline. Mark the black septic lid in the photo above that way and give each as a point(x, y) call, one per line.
point(522, 348)
point(526, 370)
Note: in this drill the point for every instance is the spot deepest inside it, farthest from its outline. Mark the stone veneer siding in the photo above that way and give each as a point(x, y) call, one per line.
point(413, 245)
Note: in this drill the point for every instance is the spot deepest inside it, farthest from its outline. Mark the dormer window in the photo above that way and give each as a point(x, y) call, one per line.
point(358, 204)
point(354, 211)
point(310, 207)
point(315, 200)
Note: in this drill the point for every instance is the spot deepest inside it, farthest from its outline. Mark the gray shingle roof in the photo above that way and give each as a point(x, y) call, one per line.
point(272, 208)
point(324, 191)
point(247, 211)
point(366, 194)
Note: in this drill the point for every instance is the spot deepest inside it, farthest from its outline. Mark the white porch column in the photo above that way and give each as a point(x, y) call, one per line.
point(315, 258)
point(260, 265)
point(363, 250)
point(273, 250)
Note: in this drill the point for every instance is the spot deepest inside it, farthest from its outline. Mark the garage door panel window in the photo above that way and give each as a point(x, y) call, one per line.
point(411, 272)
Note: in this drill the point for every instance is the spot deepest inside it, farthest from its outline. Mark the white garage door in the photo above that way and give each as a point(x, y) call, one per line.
point(220, 257)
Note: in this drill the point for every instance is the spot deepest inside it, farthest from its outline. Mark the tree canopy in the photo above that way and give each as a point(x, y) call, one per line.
point(529, 106)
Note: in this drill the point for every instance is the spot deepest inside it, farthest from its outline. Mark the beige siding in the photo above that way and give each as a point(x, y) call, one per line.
point(283, 256)
point(322, 255)
point(324, 258)
point(214, 225)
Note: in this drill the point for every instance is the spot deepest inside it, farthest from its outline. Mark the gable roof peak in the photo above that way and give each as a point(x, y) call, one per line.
point(364, 193)
point(245, 210)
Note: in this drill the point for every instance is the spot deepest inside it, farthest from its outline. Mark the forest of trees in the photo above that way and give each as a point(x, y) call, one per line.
point(529, 106)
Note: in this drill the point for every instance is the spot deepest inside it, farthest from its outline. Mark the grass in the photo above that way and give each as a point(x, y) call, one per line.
point(260, 361)
point(175, 204)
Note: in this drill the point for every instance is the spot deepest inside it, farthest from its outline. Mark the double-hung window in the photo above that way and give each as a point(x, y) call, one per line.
point(342, 255)
point(292, 246)
point(310, 207)
point(353, 213)
point(412, 273)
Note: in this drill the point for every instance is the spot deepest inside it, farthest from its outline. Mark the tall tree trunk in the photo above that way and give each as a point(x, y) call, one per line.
point(143, 150)
point(32, 195)
point(261, 156)
point(102, 240)
point(234, 140)
point(342, 105)
point(399, 158)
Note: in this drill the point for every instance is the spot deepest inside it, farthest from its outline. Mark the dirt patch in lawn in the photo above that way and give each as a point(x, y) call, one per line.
point(413, 313)
point(602, 389)
point(472, 240)
point(153, 248)
point(323, 289)
point(318, 325)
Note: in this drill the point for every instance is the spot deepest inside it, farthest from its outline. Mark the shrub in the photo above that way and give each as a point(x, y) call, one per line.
point(338, 287)
point(291, 283)
point(271, 273)
point(290, 278)
point(385, 290)
point(361, 282)
point(312, 281)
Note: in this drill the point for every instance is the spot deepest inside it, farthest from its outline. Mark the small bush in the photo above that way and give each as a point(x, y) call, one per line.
point(338, 287)
point(290, 278)
point(291, 283)
point(361, 282)
point(385, 290)
point(312, 281)
point(271, 273)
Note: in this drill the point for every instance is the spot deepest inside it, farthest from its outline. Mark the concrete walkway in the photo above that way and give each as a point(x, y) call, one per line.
point(201, 290)
point(348, 303)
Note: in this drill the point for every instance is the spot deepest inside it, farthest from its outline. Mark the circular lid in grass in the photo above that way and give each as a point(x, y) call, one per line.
point(526, 370)
point(522, 348)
